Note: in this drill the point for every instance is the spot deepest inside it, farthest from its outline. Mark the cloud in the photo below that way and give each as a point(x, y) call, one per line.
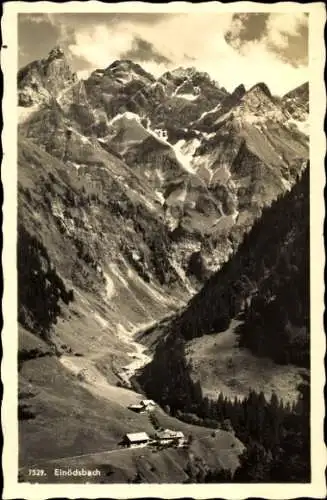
point(285, 35)
point(233, 48)
point(246, 28)
point(100, 45)
point(284, 25)
point(173, 40)
point(143, 51)
point(259, 64)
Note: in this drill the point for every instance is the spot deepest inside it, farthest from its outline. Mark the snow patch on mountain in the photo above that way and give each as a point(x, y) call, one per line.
point(287, 185)
point(230, 114)
point(171, 221)
point(24, 113)
point(128, 115)
point(235, 214)
point(188, 97)
point(160, 175)
point(103, 322)
point(83, 138)
point(182, 275)
point(184, 152)
point(205, 113)
point(208, 136)
point(160, 196)
point(61, 94)
point(116, 271)
point(110, 287)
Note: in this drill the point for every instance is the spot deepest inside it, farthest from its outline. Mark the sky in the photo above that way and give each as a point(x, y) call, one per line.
point(233, 48)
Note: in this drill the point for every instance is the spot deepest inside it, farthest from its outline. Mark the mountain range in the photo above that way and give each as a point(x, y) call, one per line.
point(132, 193)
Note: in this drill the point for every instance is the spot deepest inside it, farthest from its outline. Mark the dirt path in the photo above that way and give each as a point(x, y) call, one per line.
point(95, 382)
point(139, 354)
point(140, 359)
point(91, 378)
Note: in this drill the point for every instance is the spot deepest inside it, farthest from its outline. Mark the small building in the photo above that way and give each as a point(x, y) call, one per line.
point(137, 408)
point(148, 404)
point(143, 406)
point(168, 436)
point(136, 440)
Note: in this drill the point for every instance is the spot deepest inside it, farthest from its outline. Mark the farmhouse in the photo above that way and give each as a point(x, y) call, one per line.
point(143, 406)
point(148, 403)
point(168, 436)
point(137, 408)
point(136, 440)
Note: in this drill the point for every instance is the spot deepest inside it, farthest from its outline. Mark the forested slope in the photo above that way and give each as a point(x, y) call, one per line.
point(267, 279)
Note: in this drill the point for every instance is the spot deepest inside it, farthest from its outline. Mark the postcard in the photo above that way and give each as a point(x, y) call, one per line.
point(163, 255)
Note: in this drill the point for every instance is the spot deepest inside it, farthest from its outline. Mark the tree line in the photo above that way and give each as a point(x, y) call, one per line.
point(40, 287)
point(276, 434)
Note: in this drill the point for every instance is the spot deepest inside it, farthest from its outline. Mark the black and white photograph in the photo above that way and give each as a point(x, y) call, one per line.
point(164, 247)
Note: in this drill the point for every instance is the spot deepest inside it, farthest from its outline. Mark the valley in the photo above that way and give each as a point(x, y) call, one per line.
point(110, 417)
point(151, 217)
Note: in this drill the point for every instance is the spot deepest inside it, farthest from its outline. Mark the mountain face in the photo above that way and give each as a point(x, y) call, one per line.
point(297, 102)
point(40, 81)
point(132, 192)
point(213, 160)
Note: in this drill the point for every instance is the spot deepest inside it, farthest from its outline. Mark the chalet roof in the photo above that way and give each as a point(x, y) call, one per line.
point(147, 402)
point(169, 434)
point(136, 407)
point(137, 436)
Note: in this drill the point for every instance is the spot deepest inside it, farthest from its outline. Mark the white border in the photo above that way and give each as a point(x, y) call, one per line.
point(13, 489)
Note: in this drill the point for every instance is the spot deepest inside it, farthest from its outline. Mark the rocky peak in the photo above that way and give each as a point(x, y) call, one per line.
point(300, 92)
point(56, 53)
point(181, 72)
point(234, 98)
point(41, 81)
point(122, 64)
point(260, 88)
point(296, 102)
point(189, 83)
point(180, 75)
point(258, 99)
point(125, 70)
point(239, 91)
